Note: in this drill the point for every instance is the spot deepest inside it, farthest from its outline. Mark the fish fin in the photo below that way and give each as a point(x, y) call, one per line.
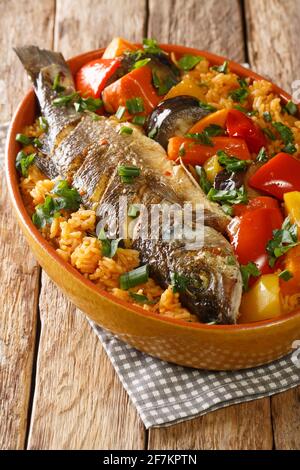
point(34, 59)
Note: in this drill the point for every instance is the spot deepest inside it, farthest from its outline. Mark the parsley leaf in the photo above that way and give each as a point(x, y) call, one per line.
point(285, 275)
point(228, 196)
point(285, 132)
point(141, 299)
point(206, 106)
point(231, 164)
point(23, 162)
point(262, 156)
point(268, 133)
point(151, 46)
point(283, 240)
point(291, 108)
point(163, 85)
point(203, 181)
point(189, 61)
point(178, 282)
point(240, 94)
point(69, 198)
point(214, 130)
point(109, 247)
point(140, 63)
point(46, 212)
point(223, 68)
point(202, 137)
point(247, 271)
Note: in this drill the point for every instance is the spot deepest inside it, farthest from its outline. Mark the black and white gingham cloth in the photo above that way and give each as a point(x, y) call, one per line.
point(166, 394)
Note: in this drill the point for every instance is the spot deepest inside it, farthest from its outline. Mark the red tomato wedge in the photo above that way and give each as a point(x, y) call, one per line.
point(260, 202)
point(218, 118)
point(279, 175)
point(240, 125)
point(193, 153)
point(136, 84)
point(250, 233)
point(92, 77)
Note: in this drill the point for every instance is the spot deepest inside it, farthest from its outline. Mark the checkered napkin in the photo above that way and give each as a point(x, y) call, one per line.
point(165, 394)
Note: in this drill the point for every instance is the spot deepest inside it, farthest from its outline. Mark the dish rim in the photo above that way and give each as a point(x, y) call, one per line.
point(25, 219)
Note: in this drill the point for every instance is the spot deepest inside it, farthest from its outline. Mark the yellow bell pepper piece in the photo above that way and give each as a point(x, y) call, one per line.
point(117, 47)
point(212, 168)
point(292, 206)
point(262, 301)
point(186, 87)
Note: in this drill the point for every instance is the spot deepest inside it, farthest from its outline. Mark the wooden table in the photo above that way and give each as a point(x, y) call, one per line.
point(58, 389)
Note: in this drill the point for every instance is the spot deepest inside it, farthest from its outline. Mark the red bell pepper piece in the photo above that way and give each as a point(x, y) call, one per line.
point(250, 233)
point(136, 84)
point(194, 153)
point(239, 125)
point(91, 79)
point(260, 202)
point(279, 175)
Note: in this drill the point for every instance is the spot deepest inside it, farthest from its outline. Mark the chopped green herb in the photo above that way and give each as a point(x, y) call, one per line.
point(283, 240)
point(23, 139)
point(231, 261)
point(178, 282)
point(291, 108)
point(128, 173)
point(189, 61)
point(285, 132)
point(240, 94)
point(46, 212)
point(135, 277)
point(268, 133)
point(231, 164)
point(202, 137)
point(23, 162)
point(87, 104)
point(37, 143)
point(134, 210)
point(43, 123)
point(262, 156)
point(244, 110)
point(69, 198)
point(125, 130)
point(163, 85)
point(152, 133)
point(247, 271)
point(141, 299)
point(206, 106)
point(232, 196)
point(213, 130)
point(120, 112)
point(182, 150)
point(109, 247)
point(267, 117)
point(135, 105)
point(139, 120)
point(151, 46)
point(65, 100)
point(227, 209)
point(141, 63)
point(289, 148)
point(56, 84)
point(285, 275)
point(223, 68)
point(203, 181)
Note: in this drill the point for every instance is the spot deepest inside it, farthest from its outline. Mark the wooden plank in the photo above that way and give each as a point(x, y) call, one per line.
point(286, 419)
point(213, 25)
point(217, 26)
point(280, 37)
point(273, 33)
point(79, 402)
point(19, 270)
point(21, 22)
point(239, 427)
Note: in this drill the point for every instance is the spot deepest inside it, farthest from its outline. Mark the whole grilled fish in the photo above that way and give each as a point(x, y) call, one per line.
point(88, 152)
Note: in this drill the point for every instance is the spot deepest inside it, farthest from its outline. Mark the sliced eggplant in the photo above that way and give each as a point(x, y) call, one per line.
point(174, 116)
point(227, 181)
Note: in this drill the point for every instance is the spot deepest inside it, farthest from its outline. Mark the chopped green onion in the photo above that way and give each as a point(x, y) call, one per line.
point(203, 181)
point(244, 110)
point(134, 210)
point(139, 120)
point(206, 106)
point(230, 163)
point(43, 123)
point(285, 275)
point(262, 156)
point(181, 151)
point(141, 299)
point(87, 104)
point(135, 105)
point(178, 282)
point(132, 171)
point(37, 143)
point(285, 132)
point(213, 130)
point(202, 137)
point(289, 148)
point(291, 108)
point(120, 112)
point(23, 139)
point(268, 133)
point(189, 61)
point(227, 209)
point(109, 247)
point(135, 277)
point(64, 100)
point(56, 84)
point(152, 133)
point(126, 130)
point(223, 68)
point(240, 94)
point(232, 196)
point(140, 63)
